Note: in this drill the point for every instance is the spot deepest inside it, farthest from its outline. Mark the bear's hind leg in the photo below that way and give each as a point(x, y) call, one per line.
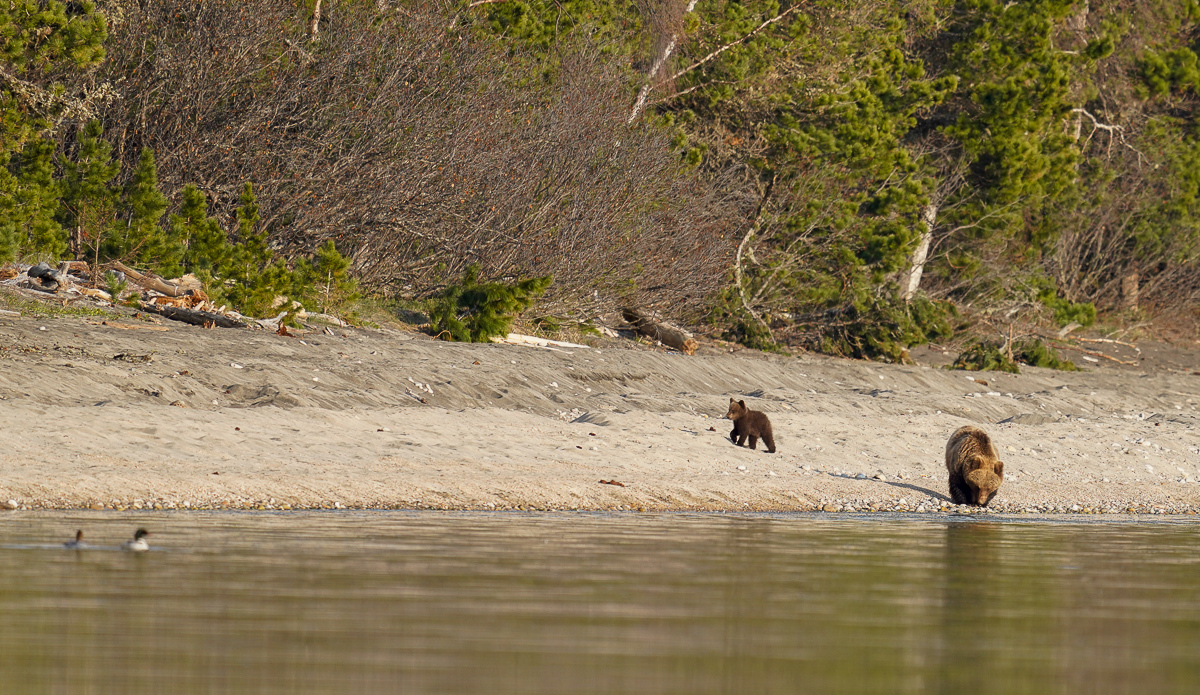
point(770, 442)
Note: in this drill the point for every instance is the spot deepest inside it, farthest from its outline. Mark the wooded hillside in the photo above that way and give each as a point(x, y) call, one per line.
point(849, 177)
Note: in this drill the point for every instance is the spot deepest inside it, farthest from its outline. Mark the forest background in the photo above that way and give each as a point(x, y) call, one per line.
point(853, 178)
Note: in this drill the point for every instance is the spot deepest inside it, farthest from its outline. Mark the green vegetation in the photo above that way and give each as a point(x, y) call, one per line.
point(992, 356)
point(325, 282)
point(986, 357)
point(40, 309)
point(852, 178)
point(112, 223)
point(1037, 354)
point(115, 286)
point(474, 311)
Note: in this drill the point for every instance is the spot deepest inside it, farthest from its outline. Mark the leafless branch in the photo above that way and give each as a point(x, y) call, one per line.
point(738, 42)
point(1112, 130)
point(420, 151)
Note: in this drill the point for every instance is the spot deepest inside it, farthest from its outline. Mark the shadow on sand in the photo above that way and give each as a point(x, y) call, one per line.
point(907, 486)
point(918, 488)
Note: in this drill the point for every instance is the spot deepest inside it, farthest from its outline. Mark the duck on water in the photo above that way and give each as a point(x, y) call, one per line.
point(76, 544)
point(139, 541)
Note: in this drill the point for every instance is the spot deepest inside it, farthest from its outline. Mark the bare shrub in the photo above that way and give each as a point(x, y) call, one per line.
point(419, 149)
point(1126, 227)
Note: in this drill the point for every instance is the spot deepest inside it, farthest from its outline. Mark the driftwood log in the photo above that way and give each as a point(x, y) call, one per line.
point(194, 316)
point(150, 282)
point(667, 335)
point(49, 279)
point(519, 339)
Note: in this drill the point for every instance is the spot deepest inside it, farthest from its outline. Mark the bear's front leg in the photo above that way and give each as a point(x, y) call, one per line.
point(960, 492)
point(733, 435)
point(753, 442)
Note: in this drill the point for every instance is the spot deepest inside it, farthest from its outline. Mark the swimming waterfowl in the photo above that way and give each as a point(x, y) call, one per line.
point(76, 544)
point(138, 543)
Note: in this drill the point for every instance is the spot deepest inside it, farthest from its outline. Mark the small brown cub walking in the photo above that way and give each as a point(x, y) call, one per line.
point(749, 423)
point(975, 470)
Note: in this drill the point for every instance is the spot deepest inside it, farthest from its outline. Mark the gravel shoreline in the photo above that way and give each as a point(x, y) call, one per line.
point(928, 505)
point(142, 412)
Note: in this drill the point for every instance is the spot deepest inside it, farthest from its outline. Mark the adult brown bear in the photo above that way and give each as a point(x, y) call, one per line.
point(975, 470)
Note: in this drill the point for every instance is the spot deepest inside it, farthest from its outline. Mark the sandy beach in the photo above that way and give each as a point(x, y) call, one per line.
point(140, 412)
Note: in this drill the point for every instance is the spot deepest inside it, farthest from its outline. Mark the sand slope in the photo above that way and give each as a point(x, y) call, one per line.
point(248, 418)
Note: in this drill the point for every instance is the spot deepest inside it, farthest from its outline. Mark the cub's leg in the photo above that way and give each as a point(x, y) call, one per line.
point(753, 442)
point(742, 440)
point(733, 435)
point(769, 440)
point(960, 492)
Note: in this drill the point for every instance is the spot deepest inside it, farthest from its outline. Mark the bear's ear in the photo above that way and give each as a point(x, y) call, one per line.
point(731, 401)
point(1000, 468)
point(742, 403)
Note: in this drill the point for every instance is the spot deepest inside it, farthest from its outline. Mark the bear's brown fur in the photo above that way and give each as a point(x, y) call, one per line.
point(750, 424)
point(975, 470)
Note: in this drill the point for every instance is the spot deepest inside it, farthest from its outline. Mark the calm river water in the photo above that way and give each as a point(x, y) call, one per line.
point(426, 602)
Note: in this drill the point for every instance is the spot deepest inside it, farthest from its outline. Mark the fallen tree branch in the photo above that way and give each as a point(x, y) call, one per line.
point(1093, 353)
point(128, 326)
point(1109, 340)
point(519, 339)
point(667, 335)
point(194, 316)
point(150, 282)
point(274, 324)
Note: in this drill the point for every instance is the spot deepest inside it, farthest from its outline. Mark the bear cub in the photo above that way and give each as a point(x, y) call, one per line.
point(750, 424)
point(975, 470)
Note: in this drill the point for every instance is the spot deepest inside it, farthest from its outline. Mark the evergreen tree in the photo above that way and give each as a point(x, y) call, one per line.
point(36, 201)
point(474, 311)
point(256, 277)
point(88, 200)
point(245, 274)
point(545, 24)
point(39, 41)
point(207, 244)
point(329, 274)
point(143, 240)
point(10, 237)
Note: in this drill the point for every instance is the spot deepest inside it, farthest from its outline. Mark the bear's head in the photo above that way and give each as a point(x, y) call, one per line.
point(736, 409)
point(985, 478)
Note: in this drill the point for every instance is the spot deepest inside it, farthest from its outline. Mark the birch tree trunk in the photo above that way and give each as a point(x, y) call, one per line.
point(915, 270)
point(644, 92)
point(316, 19)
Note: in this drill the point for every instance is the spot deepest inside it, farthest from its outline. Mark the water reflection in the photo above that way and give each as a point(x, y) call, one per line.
point(973, 587)
point(512, 603)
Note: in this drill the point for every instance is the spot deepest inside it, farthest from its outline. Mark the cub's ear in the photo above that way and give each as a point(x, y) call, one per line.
point(1000, 468)
point(731, 401)
point(742, 403)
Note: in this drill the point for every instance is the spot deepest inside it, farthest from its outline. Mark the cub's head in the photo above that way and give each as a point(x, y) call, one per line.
point(736, 409)
point(985, 479)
